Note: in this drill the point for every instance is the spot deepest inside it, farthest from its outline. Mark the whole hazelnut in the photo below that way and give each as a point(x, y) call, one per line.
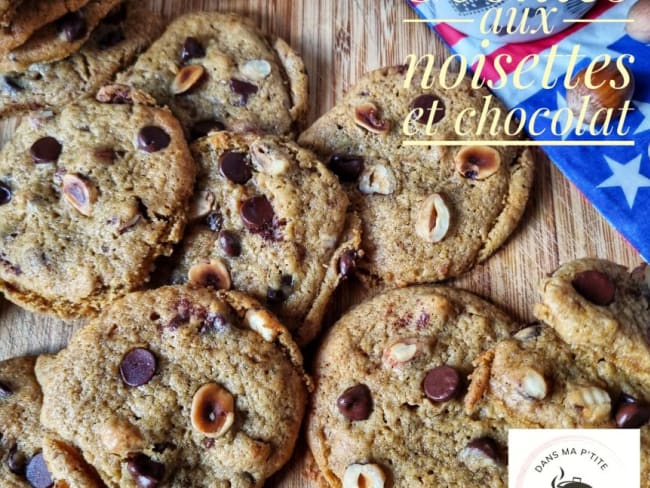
point(639, 29)
point(610, 95)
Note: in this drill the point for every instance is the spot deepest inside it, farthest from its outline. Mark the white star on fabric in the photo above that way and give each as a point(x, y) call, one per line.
point(626, 177)
point(644, 108)
point(561, 103)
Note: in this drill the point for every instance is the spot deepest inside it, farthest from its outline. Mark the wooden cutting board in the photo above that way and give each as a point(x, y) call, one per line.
point(339, 41)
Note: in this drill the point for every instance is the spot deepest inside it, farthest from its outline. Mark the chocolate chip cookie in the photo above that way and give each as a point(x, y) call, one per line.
point(30, 16)
point(603, 312)
point(89, 198)
point(178, 387)
point(388, 409)
point(534, 380)
point(220, 71)
point(21, 459)
point(58, 39)
point(112, 46)
point(268, 219)
point(428, 212)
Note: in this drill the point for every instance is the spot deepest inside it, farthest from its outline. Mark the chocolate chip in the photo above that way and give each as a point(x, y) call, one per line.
point(595, 286)
point(37, 473)
point(355, 403)
point(138, 367)
point(213, 322)
point(243, 89)
point(347, 262)
point(486, 445)
point(347, 168)
point(204, 127)
point(5, 196)
point(73, 26)
point(625, 398)
point(146, 472)
point(9, 85)
point(425, 102)
point(45, 150)
point(192, 48)
point(442, 383)
point(234, 166)
point(110, 39)
point(274, 296)
point(257, 213)
point(153, 138)
point(5, 390)
point(229, 242)
point(16, 461)
point(632, 415)
point(214, 220)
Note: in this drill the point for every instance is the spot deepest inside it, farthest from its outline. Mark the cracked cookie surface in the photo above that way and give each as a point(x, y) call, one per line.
point(220, 71)
point(389, 386)
point(89, 198)
point(289, 257)
point(174, 387)
point(428, 212)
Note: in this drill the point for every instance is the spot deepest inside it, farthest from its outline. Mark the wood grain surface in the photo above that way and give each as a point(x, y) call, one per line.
point(339, 40)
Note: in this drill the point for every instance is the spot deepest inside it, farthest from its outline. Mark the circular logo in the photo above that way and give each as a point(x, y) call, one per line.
point(571, 461)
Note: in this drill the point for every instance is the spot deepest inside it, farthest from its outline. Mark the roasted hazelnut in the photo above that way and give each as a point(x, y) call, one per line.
point(639, 29)
point(213, 274)
point(187, 78)
point(79, 193)
point(213, 410)
point(600, 95)
point(532, 384)
point(120, 437)
point(269, 158)
point(256, 69)
point(364, 476)
point(433, 219)
point(401, 351)
point(366, 115)
point(377, 179)
point(593, 403)
point(264, 323)
point(201, 205)
point(477, 162)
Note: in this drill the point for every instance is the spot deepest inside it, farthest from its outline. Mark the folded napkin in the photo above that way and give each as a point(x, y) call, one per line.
point(615, 179)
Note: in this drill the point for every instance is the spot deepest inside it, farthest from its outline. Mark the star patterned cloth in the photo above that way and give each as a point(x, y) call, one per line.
point(616, 179)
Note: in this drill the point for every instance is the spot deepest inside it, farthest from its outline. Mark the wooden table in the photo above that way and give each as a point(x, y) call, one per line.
point(339, 40)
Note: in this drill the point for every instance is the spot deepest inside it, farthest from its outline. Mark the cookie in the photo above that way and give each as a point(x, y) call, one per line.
point(21, 459)
point(88, 200)
point(178, 387)
point(58, 39)
point(388, 409)
point(428, 212)
point(30, 16)
point(218, 70)
point(603, 313)
point(8, 10)
point(112, 46)
point(268, 219)
point(533, 380)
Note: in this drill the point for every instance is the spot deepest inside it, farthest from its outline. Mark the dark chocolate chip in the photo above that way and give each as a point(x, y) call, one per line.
point(274, 296)
point(425, 102)
point(45, 150)
point(234, 166)
point(146, 472)
point(230, 244)
point(355, 403)
point(595, 286)
point(111, 38)
point(73, 26)
point(442, 383)
point(5, 390)
point(486, 445)
point(208, 443)
point(625, 398)
point(138, 367)
point(213, 322)
point(9, 85)
point(214, 221)
point(347, 168)
point(192, 48)
point(16, 461)
point(347, 262)
point(257, 213)
point(37, 473)
point(152, 138)
point(5, 196)
point(632, 415)
point(204, 127)
point(242, 88)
